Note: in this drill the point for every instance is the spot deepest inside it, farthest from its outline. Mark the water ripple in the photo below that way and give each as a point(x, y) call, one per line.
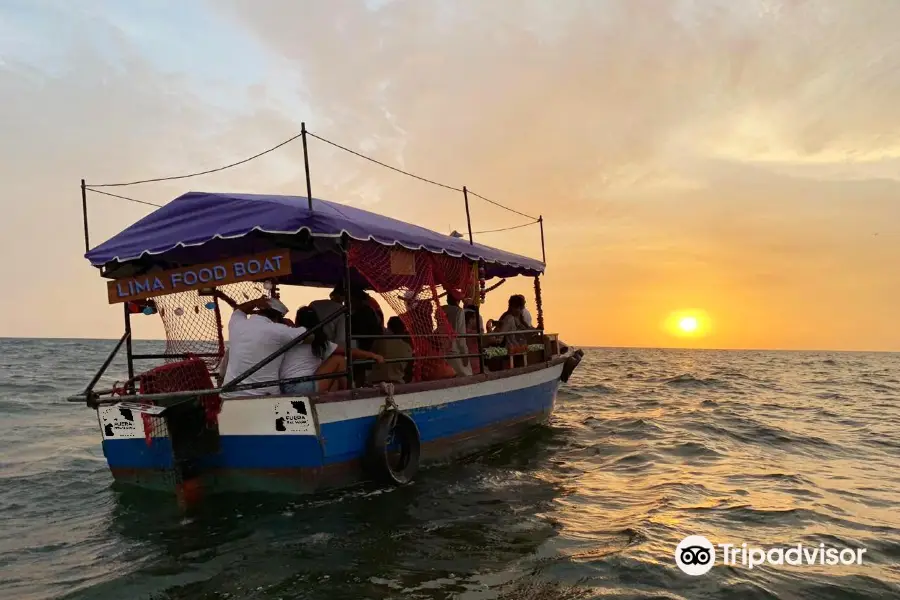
point(646, 447)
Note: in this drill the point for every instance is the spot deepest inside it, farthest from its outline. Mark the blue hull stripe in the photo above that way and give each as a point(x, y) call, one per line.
point(342, 441)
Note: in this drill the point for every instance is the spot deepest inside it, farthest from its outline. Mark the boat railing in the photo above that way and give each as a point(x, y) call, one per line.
point(400, 336)
point(96, 398)
point(92, 398)
point(259, 365)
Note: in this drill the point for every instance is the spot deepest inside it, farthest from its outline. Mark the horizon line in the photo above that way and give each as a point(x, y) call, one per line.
point(584, 347)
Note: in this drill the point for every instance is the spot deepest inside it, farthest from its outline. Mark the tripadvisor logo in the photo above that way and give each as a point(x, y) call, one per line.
point(696, 555)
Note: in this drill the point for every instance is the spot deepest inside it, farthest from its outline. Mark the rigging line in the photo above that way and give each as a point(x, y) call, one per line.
point(378, 162)
point(88, 188)
point(443, 185)
point(535, 219)
point(234, 164)
point(508, 228)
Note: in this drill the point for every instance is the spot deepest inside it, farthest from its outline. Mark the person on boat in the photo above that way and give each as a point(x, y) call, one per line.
point(471, 308)
point(511, 320)
point(472, 342)
point(316, 355)
point(368, 314)
point(421, 314)
point(364, 321)
point(457, 320)
point(255, 331)
point(334, 330)
point(526, 316)
point(390, 348)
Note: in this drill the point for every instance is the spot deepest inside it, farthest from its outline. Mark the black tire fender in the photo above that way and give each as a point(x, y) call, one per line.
point(393, 425)
point(570, 365)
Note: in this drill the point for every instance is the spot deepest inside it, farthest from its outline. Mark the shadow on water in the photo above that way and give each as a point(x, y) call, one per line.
point(429, 539)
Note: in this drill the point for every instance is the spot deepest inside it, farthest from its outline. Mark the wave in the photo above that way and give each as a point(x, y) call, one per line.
point(689, 380)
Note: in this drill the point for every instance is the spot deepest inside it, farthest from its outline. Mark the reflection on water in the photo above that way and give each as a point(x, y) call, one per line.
point(646, 448)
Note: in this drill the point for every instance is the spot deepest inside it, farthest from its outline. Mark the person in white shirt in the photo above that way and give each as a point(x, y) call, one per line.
point(255, 331)
point(316, 355)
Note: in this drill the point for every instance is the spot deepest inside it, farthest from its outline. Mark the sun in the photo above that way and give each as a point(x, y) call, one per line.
point(688, 324)
point(693, 323)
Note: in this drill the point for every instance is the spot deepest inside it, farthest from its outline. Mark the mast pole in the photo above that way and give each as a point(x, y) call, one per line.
point(306, 165)
point(87, 241)
point(477, 304)
point(543, 252)
point(468, 217)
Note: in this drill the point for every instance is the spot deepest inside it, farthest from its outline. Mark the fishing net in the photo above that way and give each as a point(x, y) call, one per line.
point(412, 283)
point(193, 323)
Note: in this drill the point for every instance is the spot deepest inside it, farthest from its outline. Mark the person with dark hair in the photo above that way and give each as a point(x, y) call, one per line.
point(316, 355)
point(526, 316)
point(511, 320)
point(395, 372)
point(334, 329)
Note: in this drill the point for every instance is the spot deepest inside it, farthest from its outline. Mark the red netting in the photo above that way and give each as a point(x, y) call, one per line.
point(193, 323)
point(181, 376)
point(412, 284)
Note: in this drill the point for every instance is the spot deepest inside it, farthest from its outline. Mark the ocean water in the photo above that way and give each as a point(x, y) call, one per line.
point(646, 447)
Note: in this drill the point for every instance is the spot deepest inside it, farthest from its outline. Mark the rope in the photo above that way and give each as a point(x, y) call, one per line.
point(507, 228)
point(535, 219)
point(387, 388)
point(284, 143)
point(378, 162)
point(207, 172)
point(413, 175)
point(123, 197)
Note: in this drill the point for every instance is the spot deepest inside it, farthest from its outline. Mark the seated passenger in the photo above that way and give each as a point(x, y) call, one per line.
point(365, 321)
point(472, 342)
point(471, 308)
point(316, 356)
point(526, 316)
point(334, 330)
point(255, 331)
point(457, 321)
point(397, 372)
point(511, 320)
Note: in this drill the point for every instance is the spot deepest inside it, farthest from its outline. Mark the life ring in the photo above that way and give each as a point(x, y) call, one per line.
point(394, 448)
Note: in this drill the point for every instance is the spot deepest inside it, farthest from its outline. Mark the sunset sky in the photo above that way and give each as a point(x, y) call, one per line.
point(737, 161)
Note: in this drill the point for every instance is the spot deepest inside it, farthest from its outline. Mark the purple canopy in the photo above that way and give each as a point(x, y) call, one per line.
point(197, 218)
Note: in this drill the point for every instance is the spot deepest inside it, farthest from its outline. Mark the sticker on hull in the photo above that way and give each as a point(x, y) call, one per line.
point(293, 416)
point(120, 422)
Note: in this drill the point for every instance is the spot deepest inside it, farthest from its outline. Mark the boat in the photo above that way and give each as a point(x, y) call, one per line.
point(179, 426)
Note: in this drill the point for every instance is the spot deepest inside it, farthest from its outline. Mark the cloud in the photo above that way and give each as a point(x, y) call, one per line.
point(741, 155)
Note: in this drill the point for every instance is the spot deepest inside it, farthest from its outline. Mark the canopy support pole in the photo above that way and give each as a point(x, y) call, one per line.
point(90, 386)
point(348, 334)
point(306, 165)
point(128, 349)
point(87, 241)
